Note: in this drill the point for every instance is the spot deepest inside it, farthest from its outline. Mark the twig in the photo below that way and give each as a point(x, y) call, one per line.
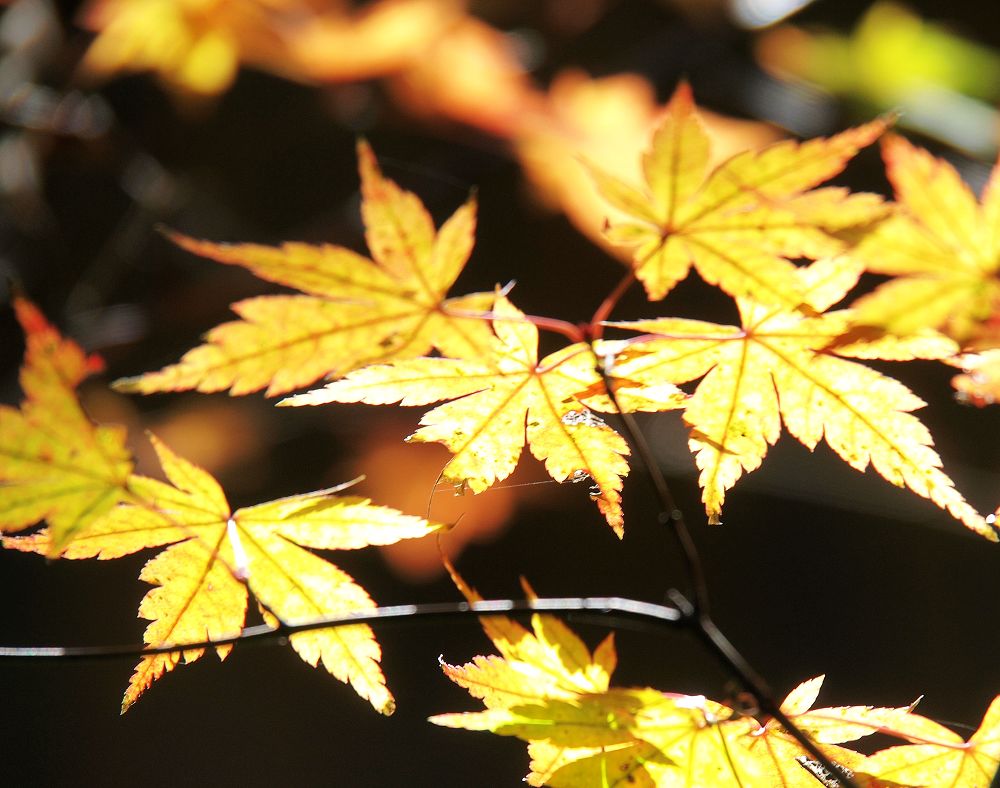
point(696, 614)
point(660, 615)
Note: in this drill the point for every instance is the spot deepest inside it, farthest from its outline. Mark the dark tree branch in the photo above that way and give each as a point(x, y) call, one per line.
point(600, 607)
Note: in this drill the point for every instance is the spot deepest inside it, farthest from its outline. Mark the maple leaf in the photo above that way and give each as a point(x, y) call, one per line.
point(499, 403)
point(943, 248)
point(215, 555)
point(354, 311)
point(547, 688)
point(783, 755)
point(773, 369)
point(55, 464)
point(604, 121)
point(941, 757)
point(742, 222)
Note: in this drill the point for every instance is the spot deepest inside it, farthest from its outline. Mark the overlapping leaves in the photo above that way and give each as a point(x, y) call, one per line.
point(58, 466)
point(55, 464)
point(774, 368)
point(353, 311)
point(547, 688)
point(499, 403)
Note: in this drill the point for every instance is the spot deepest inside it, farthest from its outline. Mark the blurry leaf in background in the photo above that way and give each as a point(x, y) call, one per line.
point(942, 82)
point(473, 76)
point(979, 383)
point(195, 47)
point(605, 122)
point(382, 37)
point(403, 476)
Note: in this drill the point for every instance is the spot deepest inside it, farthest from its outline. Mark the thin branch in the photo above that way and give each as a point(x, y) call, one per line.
point(697, 614)
point(670, 514)
point(602, 607)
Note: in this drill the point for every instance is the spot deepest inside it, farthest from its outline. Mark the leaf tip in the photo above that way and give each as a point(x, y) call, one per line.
point(683, 96)
point(128, 385)
point(30, 316)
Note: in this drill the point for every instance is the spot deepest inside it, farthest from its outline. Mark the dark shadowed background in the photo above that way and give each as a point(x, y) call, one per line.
point(817, 570)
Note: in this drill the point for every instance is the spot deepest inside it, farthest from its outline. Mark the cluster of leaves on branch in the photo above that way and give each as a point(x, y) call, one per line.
point(386, 331)
point(55, 465)
point(547, 688)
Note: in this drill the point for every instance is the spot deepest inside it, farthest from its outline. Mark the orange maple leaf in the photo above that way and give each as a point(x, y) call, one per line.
point(355, 311)
point(943, 248)
point(501, 401)
point(773, 368)
point(740, 223)
point(55, 463)
point(216, 555)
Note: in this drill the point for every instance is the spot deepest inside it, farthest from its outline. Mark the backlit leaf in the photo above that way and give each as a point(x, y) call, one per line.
point(499, 403)
point(943, 248)
point(215, 556)
point(741, 223)
point(944, 759)
point(55, 464)
point(353, 311)
point(773, 369)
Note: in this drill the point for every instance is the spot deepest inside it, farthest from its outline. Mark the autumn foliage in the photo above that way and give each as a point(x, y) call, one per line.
point(385, 329)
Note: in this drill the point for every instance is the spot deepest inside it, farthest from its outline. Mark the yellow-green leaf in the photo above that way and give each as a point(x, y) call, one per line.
point(944, 759)
point(55, 464)
point(216, 556)
point(942, 247)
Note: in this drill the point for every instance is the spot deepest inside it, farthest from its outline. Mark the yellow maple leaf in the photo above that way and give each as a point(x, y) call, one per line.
point(941, 757)
point(773, 369)
point(355, 311)
point(826, 727)
point(943, 248)
point(215, 555)
point(547, 688)
point(55, 464)
point(740, 223)
point(501, 401)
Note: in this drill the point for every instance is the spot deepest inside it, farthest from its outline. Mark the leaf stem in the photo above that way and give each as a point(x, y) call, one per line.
point(573, 332)
point(596, 328)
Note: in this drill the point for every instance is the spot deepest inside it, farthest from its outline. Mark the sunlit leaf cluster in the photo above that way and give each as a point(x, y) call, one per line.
point(383, 329)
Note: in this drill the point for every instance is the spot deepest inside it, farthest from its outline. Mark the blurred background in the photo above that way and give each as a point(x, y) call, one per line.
point(235, 120)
